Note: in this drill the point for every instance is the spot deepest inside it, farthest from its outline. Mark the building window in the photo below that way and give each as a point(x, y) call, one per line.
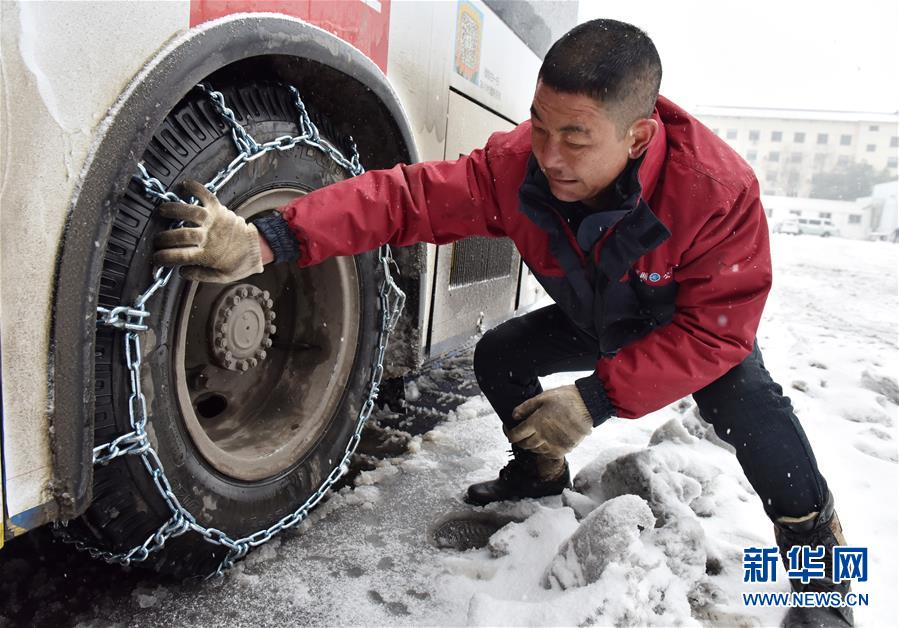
point(795, 212)
point(799, 137)
point(752, 155)
point(855, 219)
point(795, 158)
point(871, 148)
point(894, 142)
point(845, 140)
point(776, 136)
point(874, 127)
point(822, 138)
point(774, 156)
point(891, 162)
point(754, 136)
point(824, 215)
point(771, 176)
point(731, 134)
point(842, 160)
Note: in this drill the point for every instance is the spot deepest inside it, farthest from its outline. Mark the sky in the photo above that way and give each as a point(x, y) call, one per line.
point(767, 53)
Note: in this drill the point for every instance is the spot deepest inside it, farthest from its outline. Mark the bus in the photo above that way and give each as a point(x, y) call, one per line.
point(161, 422)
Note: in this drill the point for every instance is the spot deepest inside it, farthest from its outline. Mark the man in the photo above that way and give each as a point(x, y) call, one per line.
point(645, 229)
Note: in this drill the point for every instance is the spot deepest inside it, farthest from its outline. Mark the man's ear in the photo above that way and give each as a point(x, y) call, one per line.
point(640, 135)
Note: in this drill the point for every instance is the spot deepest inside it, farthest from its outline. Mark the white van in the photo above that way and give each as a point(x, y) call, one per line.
point(812, 226)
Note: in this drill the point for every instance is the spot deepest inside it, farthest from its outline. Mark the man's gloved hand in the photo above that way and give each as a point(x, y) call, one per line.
point(552, 423)
point(222, 247)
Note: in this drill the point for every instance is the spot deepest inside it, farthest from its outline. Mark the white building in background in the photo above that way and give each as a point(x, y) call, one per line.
point(852, 218)
point(786, 147)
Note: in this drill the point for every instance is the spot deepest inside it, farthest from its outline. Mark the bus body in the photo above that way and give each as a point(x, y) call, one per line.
point(83, 81)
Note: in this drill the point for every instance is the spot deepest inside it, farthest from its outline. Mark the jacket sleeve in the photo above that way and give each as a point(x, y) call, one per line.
point(724, 279)
point(437, 202)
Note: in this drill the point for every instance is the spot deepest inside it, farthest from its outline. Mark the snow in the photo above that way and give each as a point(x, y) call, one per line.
point(654, 530)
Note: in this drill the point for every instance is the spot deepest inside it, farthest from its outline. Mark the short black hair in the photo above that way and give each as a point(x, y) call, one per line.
point(614, 62)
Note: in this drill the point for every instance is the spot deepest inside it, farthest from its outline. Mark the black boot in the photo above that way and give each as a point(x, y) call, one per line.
point(526, 475)
point(815, 529)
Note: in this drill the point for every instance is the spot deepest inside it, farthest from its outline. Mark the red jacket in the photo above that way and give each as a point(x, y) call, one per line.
point(694, 234)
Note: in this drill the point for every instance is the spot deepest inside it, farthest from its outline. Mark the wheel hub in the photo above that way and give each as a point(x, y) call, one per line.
point(241, 326)
point(253, 424)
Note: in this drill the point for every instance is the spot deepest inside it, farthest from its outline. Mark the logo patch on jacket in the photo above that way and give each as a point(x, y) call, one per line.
point(654, 277)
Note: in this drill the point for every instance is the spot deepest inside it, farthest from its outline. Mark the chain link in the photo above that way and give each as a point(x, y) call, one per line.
point(130, 319)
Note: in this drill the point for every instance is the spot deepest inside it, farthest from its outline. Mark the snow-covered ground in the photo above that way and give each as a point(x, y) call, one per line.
point(367, 557)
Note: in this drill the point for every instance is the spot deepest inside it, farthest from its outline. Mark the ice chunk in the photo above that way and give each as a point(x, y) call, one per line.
point(674, 431)
point(606, 535)
point(587, 481)
point(637, 574)
point(648, 474)
point(580, 504)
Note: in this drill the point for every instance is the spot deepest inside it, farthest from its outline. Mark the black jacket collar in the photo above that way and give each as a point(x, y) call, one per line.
point(637, 229)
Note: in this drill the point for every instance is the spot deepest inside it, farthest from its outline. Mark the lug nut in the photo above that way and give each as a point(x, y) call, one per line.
point(235, 300)
point(253, 361)
point(270, 315)
point(243, 365)
point(262, 354)
point(243, 293)
point(228, 356)
point(269, 303)
point(267, 343)
point(266, 295)
point(272, 329)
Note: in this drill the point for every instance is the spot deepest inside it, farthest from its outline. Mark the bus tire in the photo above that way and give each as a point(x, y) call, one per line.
point(252, 389)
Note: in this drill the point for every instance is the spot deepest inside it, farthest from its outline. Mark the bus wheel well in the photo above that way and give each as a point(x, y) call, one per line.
point(333, 77)
point(337, 97)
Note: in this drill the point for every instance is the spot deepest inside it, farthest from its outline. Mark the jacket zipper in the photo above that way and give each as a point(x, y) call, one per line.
point(572, 239)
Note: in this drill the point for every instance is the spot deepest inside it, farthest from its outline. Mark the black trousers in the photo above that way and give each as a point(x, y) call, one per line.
point(746, 407)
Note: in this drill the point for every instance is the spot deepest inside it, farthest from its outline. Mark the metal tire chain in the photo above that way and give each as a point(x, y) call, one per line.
point(130, 319)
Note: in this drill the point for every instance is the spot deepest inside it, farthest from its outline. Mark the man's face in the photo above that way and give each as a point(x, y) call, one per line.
point(576, 144)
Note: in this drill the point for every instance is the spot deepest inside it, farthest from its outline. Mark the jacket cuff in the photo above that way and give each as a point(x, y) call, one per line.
point(280, 238)
point(595, 398)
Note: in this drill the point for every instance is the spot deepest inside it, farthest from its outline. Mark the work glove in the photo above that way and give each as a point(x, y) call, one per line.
point(552, 423)
point(222, 247)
